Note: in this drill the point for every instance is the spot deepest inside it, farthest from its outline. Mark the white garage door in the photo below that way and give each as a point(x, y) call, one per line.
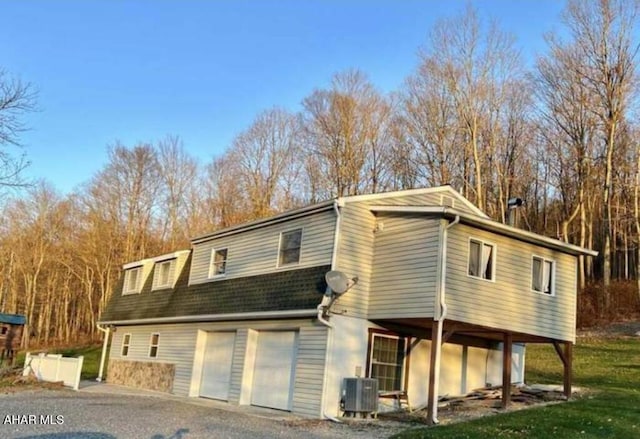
point(216, 369)
point(274, 369)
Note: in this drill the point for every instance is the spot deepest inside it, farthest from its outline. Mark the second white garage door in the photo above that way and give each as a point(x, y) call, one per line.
point(274, 370)
point(216, 370)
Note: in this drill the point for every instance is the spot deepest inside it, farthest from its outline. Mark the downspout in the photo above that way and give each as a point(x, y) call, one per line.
point(103, 357)
point(440, 315)
point(326, 302)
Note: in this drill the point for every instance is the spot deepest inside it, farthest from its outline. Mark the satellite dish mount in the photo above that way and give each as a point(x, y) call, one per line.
point(338, 283)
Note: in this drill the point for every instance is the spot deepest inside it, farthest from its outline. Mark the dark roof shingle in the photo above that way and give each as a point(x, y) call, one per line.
point(280, 291)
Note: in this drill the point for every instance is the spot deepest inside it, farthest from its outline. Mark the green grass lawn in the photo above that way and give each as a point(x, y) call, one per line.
point(609, 368)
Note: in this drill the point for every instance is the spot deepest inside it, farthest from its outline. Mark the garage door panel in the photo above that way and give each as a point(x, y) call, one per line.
point(216, 370)
point(274, 369)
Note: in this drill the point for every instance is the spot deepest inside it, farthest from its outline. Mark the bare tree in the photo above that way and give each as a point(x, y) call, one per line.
point(603, 34)
point(570, 127)
point(16, 99)
point(178, 173)
point(262, 156)
point(474, 64)
point(346, 127)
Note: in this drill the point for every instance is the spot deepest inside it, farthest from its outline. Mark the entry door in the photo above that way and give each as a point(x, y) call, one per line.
point(274, 369)
point(216, 370)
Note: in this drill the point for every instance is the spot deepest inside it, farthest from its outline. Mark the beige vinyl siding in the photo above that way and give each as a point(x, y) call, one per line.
point(355, 247)
point(508, 302)
point(237, 365)
point(428, 199)
point(405, 261)
point(355, 256)
point(307, 394)
point(256, 251)
point(178, 342)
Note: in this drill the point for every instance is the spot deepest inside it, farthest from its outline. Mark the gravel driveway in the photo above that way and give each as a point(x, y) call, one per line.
point(58, 414)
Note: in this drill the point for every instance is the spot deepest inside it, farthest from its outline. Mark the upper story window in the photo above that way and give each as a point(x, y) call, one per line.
point(290, 243)
point(132, 280)
point(482, 257)
point(542, 275)
point(386, 361)
point(154, 342)
point(126, 341)
point(218, 263)
point(162, 275)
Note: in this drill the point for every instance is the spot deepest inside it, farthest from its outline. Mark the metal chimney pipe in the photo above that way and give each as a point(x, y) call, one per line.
point(512, 212)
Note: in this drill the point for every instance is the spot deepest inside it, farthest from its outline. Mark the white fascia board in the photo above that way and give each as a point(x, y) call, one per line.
point(383, 195)
point(135, 264)
point(491, 226)
point(155, 259)
point(420, 191)
point(267, 315)
point(167, 256)
point(292, 214)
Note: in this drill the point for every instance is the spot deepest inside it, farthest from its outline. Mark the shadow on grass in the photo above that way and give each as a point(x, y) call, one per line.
point(612, 414)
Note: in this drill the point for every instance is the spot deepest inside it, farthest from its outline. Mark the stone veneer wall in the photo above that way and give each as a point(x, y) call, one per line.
point(142, 375)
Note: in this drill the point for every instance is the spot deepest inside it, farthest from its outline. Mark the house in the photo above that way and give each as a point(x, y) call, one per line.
point(11, 326)
point(243, 316)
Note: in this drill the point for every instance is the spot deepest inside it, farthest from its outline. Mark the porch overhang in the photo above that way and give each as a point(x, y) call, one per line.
point(478, 336)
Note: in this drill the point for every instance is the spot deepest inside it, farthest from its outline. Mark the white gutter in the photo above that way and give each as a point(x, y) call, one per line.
point(326, 301)
point(492, 226)
point(216, 317)
point(103, 357)
point(440, 315)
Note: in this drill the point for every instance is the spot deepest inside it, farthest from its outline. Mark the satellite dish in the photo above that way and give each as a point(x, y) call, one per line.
point(339, 282)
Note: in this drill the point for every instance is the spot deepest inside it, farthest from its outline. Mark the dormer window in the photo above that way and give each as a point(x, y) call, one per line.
point(290, 244)
point(218, 263)
point(162, 275)
point(132, 280)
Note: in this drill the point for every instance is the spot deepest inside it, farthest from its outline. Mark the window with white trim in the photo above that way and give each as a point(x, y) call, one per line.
point(542, 275)
point(290, 245)
point(481, 259)
point(132, 280)
point(162, 275)
point(386, 361)
point(126, 341)
point(154, 342)
point(218, 262)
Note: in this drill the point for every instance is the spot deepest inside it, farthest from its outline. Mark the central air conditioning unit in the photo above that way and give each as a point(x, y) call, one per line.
point(360, 395)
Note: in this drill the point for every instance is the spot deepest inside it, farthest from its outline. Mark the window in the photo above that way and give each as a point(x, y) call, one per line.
point(481, 259)
point(153, 345)
point(542, 274)
point(290, 243)
point(4, 330)
point(126, 340)
point(218, 264)
point(132, 280)
point(162, 274)
point(386, 361)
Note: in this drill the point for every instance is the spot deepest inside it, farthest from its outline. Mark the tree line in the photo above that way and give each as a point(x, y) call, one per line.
point(562, 134)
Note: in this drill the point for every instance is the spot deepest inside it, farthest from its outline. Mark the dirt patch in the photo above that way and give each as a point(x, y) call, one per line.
point(630, 328)
point(485, 402)
point(12, 381)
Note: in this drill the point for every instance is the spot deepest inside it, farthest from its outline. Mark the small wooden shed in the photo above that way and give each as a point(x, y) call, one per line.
point(11, 326)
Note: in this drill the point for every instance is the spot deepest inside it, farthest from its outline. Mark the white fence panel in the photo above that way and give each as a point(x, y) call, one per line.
point(54, 368)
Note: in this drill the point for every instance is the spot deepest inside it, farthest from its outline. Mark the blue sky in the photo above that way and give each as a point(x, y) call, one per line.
point(135, 71)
